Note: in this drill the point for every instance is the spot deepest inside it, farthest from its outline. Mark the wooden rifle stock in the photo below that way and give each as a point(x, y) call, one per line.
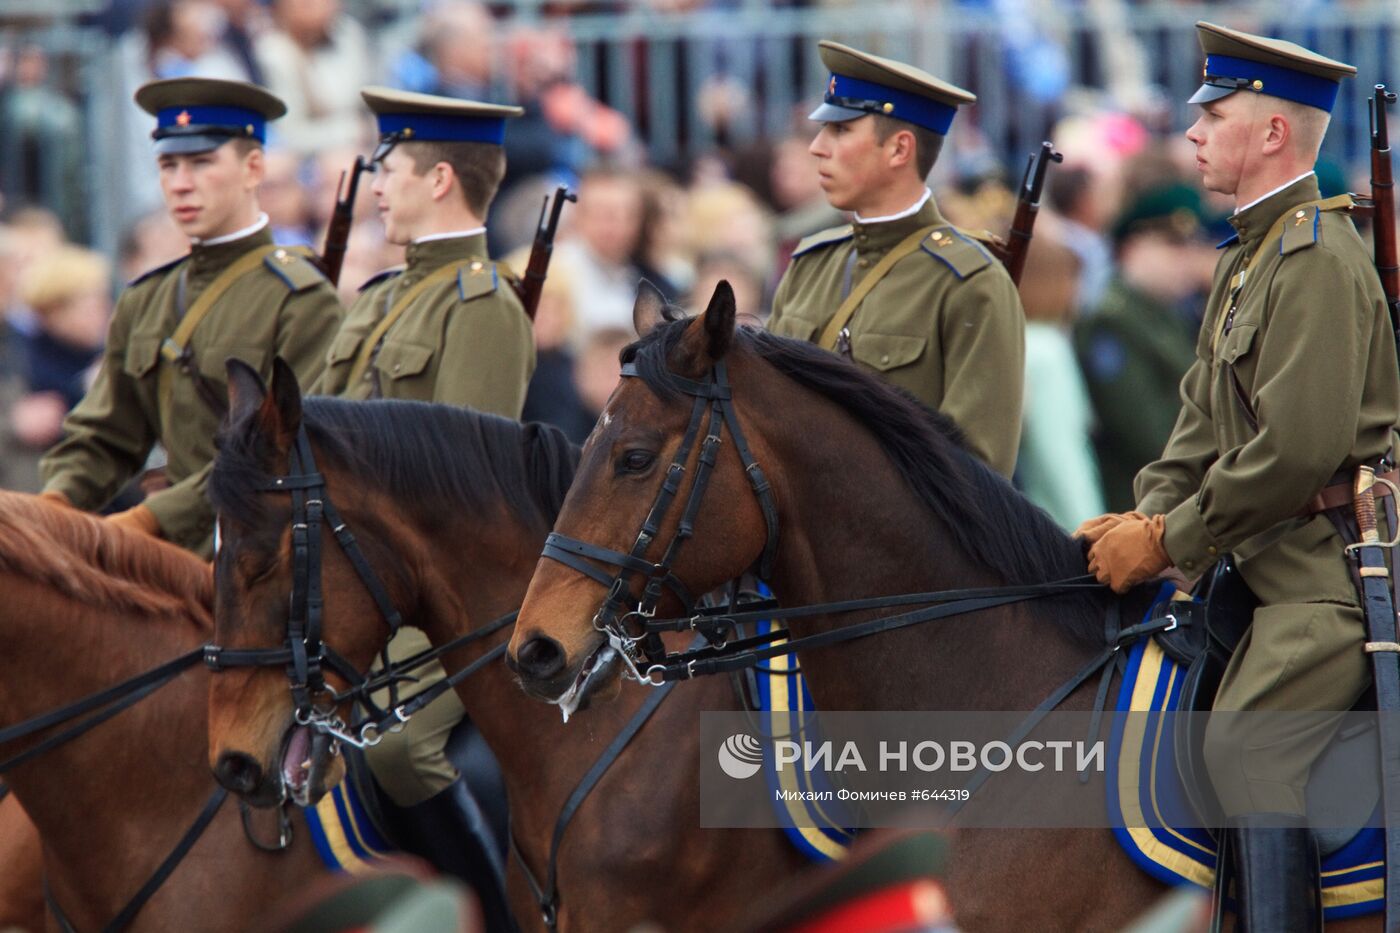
point(533, 285)
point(1383, 206)
point(342, 219)
point(1027, 207)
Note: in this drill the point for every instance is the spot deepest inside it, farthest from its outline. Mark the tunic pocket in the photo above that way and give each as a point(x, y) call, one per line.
point(796, 327)
point(884, 352)
point(142, 354)
point(1233, 355)
point(343, 348)
point(402, 360)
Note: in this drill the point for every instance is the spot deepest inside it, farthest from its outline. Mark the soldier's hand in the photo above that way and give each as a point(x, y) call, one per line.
point(1130, 553)
point(1093, 529)
point(137, 518)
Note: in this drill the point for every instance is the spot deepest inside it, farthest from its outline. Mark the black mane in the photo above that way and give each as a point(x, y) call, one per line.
point(988, 520)
point(435, 460)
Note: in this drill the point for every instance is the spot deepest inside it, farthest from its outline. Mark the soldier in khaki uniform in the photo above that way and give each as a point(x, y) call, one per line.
point(1294, 386)
point(900, 290)
point(448, 327)
point(235, 295)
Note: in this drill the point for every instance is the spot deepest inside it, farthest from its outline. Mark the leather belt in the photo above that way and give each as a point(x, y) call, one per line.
point(1339, 492)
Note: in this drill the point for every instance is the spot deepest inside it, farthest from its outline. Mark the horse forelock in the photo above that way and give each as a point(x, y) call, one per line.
point(986, 519)
point(93, 563)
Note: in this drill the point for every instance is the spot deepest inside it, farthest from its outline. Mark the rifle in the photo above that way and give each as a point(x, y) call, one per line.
point(342, 217)
point(1013, 253)
point(543, 249)
point(1383, 206)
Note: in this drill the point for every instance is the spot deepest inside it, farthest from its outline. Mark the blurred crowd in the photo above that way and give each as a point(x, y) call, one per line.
point(1113, 289)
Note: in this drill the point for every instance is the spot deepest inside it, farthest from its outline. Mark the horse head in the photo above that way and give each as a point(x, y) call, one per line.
point(278, 557)
point(663, 458)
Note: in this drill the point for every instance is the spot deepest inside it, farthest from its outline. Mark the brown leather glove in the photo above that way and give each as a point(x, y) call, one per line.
point(137, 518)
point(1129, 553)
point(1092, 529)
point(54, 497)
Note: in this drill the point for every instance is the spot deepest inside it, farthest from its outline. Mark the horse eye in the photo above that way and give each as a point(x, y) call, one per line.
point(635, 461)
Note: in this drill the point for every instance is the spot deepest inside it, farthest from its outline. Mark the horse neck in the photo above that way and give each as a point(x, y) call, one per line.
point(870, 535)
point(54, 651)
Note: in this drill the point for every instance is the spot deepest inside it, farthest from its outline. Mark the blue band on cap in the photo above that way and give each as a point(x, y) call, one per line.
point(1277, 81)
point(856, 94)
point(235, 120)
point(443, 128)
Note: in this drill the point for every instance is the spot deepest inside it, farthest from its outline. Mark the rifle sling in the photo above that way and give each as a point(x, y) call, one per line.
point(176, 350)
point(371, 344)
point(848, 307)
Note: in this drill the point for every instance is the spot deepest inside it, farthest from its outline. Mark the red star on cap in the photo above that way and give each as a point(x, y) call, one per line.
point(184, 118)
point(831, 87)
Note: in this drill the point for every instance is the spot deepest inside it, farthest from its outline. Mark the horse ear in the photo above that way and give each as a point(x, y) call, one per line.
point(718, 321)
point(245, 390)
point(649, 309)
point(286, 399)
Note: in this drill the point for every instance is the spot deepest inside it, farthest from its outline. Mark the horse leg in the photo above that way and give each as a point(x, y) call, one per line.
point(21, 870)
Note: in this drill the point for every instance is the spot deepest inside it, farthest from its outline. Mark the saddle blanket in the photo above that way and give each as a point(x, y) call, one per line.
point(1143, 781)
point(784, 706)
point(344, 836)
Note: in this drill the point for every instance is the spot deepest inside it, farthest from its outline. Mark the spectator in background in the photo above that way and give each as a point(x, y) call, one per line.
point(454, 53)
point(598, 369)
point(69, 291)
point(34, 233)
point(152, 241)
point(244, 21)
point(284, 198)
point(1135, 349)
point(1075, 195)
point(661, 255)
point(597, 259)
point(367, 254)
point(749, 287)
point(316, 59)
point(1055, 467)
point(553, 395)
point(41, 139)
point(797, 194)
point(726, 218)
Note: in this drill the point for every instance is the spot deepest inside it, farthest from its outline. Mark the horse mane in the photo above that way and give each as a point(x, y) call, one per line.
point(434, 460)
point(986, 518)
point(93, 563)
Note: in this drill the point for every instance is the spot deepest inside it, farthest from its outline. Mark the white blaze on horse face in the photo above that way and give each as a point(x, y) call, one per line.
point(604, 420)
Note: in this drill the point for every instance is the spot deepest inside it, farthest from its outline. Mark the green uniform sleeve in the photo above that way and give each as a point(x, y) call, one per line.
point(1308, 382)
point(183, 511)
point(107, 435)
point(984, 351)
point(488, 356)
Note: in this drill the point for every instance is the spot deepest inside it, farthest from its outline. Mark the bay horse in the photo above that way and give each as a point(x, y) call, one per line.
point(86, 606)
point(21, 869)
point(872, 495)
point(450, 508)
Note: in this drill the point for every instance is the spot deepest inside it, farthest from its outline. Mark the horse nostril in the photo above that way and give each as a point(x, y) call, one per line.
point(540, 658)
point(238, 772)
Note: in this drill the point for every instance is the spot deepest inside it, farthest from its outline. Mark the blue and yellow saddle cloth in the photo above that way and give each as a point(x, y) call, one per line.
point(784, 709)
point(1143, 783)
point(344, 836)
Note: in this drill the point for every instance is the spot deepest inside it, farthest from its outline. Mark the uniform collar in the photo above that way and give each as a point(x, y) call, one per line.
point(1254, 221)
point(430, 252)
point(909, 211)
point(877, 237)
point(221, 251)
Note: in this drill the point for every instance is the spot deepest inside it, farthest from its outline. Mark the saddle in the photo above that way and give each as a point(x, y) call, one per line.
point(1209, 629)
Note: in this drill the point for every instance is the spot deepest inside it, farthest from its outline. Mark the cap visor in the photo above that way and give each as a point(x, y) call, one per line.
point(830, 113)
point(185, 145)
point(1209, 92)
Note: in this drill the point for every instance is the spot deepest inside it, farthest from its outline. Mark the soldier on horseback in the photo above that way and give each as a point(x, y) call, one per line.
point(1294, 387)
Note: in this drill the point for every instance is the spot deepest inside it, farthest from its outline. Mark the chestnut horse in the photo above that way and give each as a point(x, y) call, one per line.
point(874, 495)
point(451, 508)
point(21, 869)
point(87, 606)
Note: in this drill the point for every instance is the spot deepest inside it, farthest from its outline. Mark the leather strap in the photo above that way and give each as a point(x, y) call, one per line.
point(1339, 494)
point(175, 349)
point(366, 357)
point(848, 307)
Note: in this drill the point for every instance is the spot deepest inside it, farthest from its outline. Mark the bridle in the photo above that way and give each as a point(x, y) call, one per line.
point(305, 656)
point(626, 628)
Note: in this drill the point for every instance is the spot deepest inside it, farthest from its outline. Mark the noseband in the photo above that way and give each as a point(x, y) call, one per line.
point(625, 628)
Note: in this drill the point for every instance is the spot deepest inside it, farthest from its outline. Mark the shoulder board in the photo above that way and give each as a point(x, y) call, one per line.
point(1303, 226)
point(382, 276)
point(295, 268)
point(476, 278)
point(824, 238)
point(957, 250)
point(157, 271)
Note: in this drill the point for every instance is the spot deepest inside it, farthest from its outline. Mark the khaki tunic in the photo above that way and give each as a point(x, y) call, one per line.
point(945, 323)
point(464, 341)
point(1300, 381)
point(284, 307)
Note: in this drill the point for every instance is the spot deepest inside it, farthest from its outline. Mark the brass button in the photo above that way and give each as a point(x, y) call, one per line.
point(476, 268)
point(1301, 214)
point(1258, 85)
point(398, 366)
point(884, 358)
point(280, 255)
point(1188, 564)
point(1212, 550)
point(936, 235)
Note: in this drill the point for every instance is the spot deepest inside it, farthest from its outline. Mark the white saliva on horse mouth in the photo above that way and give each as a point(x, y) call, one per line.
point(597, 663)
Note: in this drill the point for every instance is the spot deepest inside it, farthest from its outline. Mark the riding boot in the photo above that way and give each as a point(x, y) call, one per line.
point(450, 831)
point(1276, 873)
